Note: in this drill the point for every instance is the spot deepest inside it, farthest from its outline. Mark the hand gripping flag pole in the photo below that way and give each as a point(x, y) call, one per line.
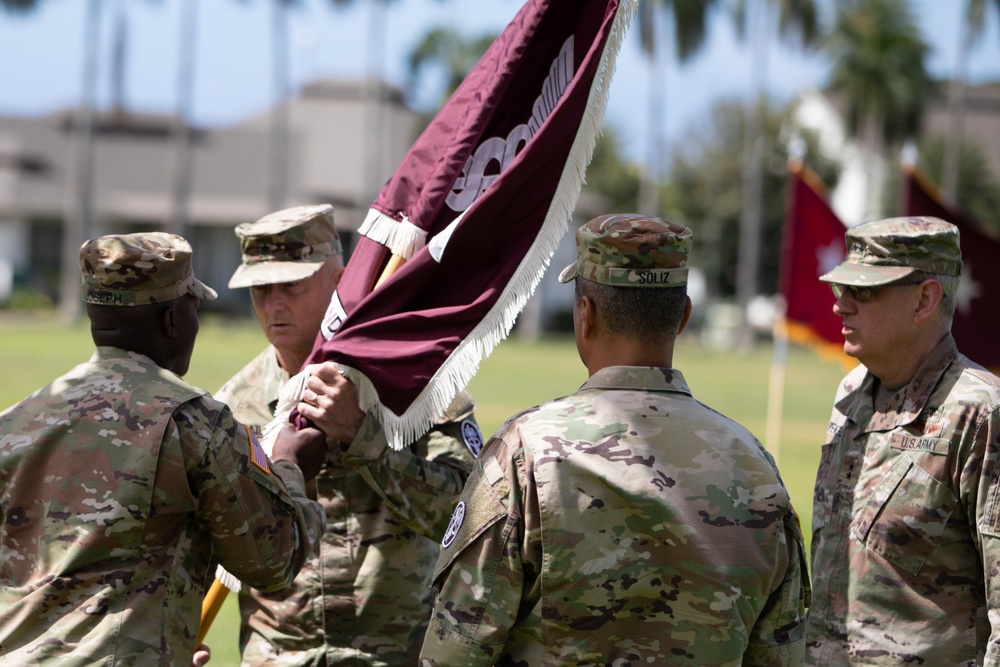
point(471, 217)
point(476, 208)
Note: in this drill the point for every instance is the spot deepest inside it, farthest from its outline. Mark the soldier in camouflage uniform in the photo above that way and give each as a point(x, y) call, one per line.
point(628, 523)
point(122, 486)
point(365, 599)
point(906, 532)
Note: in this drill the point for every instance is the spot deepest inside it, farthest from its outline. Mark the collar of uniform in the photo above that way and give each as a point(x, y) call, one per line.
point(906, 404)
point(644, 378)
point(109, 353)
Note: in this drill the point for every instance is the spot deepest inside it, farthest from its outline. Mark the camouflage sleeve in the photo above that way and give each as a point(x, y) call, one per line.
point(983, 485)
point(489, 562)
point(262, 525)
point(417, 484)
point(778, 637)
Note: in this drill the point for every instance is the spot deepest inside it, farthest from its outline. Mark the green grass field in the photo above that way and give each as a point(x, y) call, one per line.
point(34, 350)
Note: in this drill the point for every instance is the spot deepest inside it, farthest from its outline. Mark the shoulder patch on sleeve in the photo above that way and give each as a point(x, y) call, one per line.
point(457, 517)
point(478, 507)
point(257, 454)
point(472, 437)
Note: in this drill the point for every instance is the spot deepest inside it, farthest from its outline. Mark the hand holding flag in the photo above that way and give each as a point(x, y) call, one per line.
point(477, 206)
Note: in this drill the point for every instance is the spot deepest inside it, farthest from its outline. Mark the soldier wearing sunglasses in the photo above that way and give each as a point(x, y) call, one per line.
point(906, 527)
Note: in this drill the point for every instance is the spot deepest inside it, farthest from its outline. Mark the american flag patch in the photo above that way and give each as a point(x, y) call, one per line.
point(257, 454)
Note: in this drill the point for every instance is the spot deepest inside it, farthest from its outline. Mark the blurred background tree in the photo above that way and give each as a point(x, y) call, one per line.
point(689, 19)
point(972, 29)
point(704, 172)
point(879, 70)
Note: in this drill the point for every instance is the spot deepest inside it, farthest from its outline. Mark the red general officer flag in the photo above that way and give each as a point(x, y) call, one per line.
point(978, 297)
point(477, 206)
point(812, 244)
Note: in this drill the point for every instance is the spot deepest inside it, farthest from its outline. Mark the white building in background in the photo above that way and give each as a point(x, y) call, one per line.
point(345, 138)
point(865, 175)
point(329, 161)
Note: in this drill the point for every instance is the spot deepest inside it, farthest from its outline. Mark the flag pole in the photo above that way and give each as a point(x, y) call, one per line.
point(216, 595)
point(779, 329)
point(394, 263)
point(776, 383)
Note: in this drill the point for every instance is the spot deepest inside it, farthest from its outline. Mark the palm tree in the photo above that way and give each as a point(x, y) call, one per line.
point(281, 76)
point(878, 55)
point(79, 220)
point(278, 181)
point(19, 6)
point(972, 30)
point(690, 23)
point(183, 162)
point(183, 177)
point(373, 176)
point(798, 19)
point(447, 51)
point(280, 80)
point(78, 217)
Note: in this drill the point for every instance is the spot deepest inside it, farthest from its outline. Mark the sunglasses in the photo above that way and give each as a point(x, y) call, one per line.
point(864, 294)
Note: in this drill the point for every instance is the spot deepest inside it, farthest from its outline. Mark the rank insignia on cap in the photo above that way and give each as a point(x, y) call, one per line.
point(257, 454)
point(472, 437)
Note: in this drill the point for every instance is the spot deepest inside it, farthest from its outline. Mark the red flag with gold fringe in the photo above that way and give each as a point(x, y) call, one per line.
point(978, 298)
point(476, 208)
point(812, 244)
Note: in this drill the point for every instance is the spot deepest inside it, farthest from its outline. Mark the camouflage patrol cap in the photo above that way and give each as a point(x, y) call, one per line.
point(630, 250)
point(286, 246)
point(139, 269)
point(883, 251)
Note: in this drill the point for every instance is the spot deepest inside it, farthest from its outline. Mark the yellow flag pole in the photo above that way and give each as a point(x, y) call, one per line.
point(216, 595)
point(210, 608)
point(391, 267)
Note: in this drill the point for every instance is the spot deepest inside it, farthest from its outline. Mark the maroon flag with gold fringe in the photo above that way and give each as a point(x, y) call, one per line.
point(812, 244)
point(476, 208)
point(978, 298)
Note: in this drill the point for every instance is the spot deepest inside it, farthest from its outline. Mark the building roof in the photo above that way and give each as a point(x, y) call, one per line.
point(331, 126)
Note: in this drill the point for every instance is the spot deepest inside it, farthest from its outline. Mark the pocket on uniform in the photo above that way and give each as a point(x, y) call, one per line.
point(905, 515)
point(824, 489)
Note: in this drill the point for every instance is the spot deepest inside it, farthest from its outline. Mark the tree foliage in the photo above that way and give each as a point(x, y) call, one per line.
point(705, 192)
point(798, 20)
point(19, 6)
point(446, 53)
point(978, 189)
point(878, 59)
point(611, 175)
point(690, 24)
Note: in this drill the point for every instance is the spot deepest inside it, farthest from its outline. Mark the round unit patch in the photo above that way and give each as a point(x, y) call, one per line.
point(457, 517)
point(472, 437)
